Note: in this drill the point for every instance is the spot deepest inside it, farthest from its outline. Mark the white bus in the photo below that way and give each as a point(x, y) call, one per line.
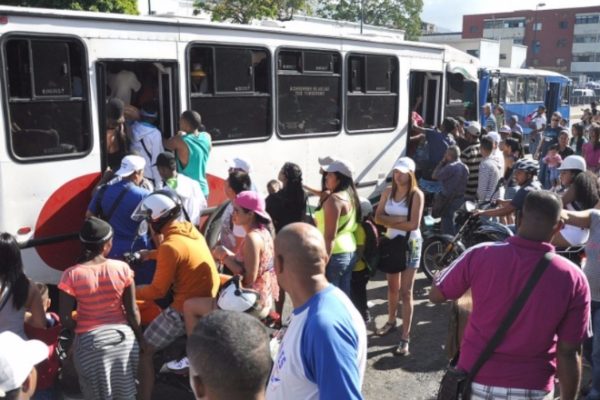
point(268, 94)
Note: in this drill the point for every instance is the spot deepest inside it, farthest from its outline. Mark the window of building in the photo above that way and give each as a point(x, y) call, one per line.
point(48, 97)
point(537, 26)
point(587, 19)
point(584, 57)
point(230, 88)
point(536, 47)
point(536, 61)
point(474, 52)
point(561, 43)
point(309, 91)
point(589, 38)
point(474, 29)
point(514, 23)
point(503, 56)
point(372, 97)
point(560, 62)
point(536, 88)
point(563, 24)
point(518, 40)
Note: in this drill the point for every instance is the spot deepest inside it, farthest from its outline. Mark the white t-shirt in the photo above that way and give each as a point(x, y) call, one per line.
point(122, 83)
point(192, 198)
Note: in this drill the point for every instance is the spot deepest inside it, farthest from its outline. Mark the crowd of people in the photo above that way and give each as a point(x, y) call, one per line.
point(150, 202)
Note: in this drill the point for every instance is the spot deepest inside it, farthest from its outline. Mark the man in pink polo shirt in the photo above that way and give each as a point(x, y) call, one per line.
point(550, 327)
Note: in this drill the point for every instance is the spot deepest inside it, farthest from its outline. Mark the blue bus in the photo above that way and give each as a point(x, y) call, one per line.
point(522, 91)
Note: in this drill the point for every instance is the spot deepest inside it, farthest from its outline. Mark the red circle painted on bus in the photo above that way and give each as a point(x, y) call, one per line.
point(63, 213)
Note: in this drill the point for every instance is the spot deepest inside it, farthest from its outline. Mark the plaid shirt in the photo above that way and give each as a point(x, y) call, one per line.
point(483, 392)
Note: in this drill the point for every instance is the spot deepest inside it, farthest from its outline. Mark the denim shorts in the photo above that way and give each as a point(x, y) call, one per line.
point(413, 256)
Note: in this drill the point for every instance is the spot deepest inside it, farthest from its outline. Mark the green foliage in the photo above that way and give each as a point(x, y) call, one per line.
point(110, 6)
point(244, 11)
point(399, 14)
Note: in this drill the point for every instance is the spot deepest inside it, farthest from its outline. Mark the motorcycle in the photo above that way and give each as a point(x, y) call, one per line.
point(439, 251)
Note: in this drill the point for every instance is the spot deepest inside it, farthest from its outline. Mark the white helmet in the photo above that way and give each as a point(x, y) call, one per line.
point(233, 297)
point(158, 208)
point(573, 162)
point(366, 208)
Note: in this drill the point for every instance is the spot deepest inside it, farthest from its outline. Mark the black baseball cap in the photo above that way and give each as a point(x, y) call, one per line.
point(165, 159)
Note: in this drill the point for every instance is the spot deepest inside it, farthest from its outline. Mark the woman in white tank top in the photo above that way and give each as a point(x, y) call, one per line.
point(392, 212)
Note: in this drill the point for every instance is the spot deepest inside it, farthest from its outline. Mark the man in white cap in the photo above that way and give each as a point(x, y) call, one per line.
point(115, 203)
point(18, 376)
point(241, 164)
point(497, 155)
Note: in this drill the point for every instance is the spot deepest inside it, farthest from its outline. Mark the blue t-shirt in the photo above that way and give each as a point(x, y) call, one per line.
point(519, 200)
point(438, 144)
point(125, 229)
point(323, 351)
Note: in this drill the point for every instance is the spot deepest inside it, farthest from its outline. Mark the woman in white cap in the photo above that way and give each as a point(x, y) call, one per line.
point(581, 193)
point(400, 210)
point(337, 217)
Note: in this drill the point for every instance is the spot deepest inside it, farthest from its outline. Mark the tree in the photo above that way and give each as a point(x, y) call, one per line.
point(399, 14)
point(110, 6)
point(244, 11)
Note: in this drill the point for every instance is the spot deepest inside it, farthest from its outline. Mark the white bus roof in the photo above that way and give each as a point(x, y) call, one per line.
point(526, 71)
point(384, 35)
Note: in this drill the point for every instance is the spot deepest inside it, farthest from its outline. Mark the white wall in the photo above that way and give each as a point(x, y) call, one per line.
point(175, 7)
point(516, 54)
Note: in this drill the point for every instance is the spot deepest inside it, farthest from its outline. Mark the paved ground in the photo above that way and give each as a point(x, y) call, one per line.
point(416, 376)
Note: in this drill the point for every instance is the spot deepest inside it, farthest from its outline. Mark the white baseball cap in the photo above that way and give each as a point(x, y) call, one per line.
point(326, 160)
point(573, 162)
point(473, 128)
point(17, 359)
point(130, 164)
point(341, 166)
point(504, 129)
point(495, 136)
point(405, 165)
point(240, 163)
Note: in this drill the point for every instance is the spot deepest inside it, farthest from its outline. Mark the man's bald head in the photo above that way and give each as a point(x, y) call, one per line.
point(300, 248)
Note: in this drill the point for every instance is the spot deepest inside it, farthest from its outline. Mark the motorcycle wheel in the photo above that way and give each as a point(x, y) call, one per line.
point(433, 251)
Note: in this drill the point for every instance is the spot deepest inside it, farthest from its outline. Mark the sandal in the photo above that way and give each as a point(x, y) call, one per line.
point(387, 328)
point(402, 349)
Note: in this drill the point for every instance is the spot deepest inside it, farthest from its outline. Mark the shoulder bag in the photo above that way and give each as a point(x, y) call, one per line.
point(456, 384)
point(392, 252)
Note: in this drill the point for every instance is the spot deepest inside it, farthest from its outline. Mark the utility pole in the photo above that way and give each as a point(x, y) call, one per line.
point(362, 16)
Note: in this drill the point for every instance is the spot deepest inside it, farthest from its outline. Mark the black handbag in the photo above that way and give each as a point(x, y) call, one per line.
point(456, 384)
point(392, 252)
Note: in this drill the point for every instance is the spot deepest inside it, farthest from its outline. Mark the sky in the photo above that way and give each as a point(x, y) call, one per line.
point(448, 13)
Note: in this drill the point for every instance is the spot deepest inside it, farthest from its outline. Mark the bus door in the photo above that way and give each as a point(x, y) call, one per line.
point(431, 99)
point(138, 83)
point(552, 97)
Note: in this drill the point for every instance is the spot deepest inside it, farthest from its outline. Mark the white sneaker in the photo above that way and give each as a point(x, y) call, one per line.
point(179, 365)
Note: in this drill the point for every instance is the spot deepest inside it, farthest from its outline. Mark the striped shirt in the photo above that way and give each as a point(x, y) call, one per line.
point(489, 175)
point(471, 157)
point(98, 290)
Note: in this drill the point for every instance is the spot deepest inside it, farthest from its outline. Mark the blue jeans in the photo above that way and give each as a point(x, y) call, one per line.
point(448, 227)
point(594, 393)
point(339, 270)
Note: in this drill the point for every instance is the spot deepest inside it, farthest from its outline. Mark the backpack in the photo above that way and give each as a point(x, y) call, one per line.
point(371, 253)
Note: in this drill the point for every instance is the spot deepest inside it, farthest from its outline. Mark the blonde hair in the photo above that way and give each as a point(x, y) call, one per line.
point(412, 184)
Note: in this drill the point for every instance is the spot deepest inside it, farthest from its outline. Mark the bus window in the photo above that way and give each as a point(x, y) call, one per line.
point(461, 97)
point(308, 92)
point(520, 90)
point(565, 94)
point(511, 90)
point(535, 90)
point(372, 97)
point(230, 88)
point(48, 99)
point(494, 91)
